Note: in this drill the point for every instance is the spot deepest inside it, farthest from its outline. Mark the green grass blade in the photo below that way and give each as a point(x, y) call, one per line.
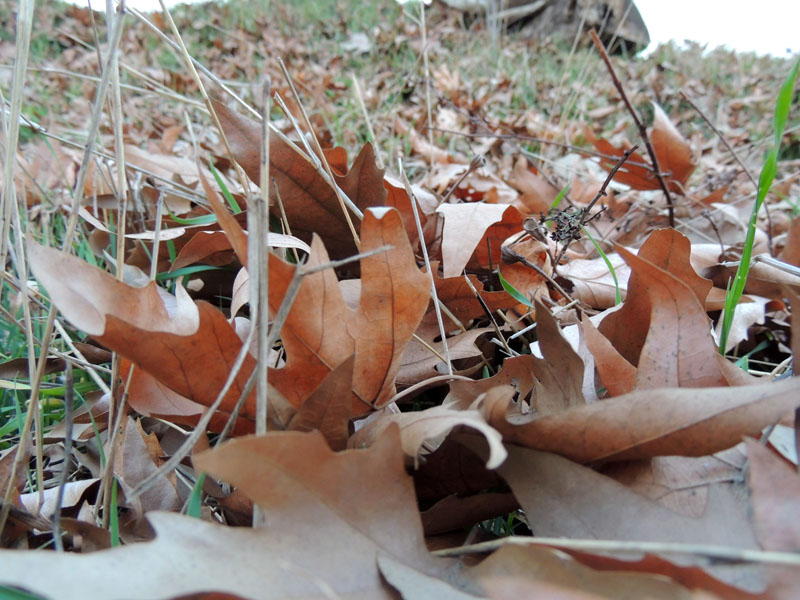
point(113, 521)
point(195, 500)
point(617, 295)
point(765, 180)
point(560, 197)
point(513, 292)
point(7, 593)
point(225, 192)
point(186, 271)
point(203, 220)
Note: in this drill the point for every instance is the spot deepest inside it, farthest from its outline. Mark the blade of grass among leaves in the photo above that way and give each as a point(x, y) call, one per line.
point(768, 172)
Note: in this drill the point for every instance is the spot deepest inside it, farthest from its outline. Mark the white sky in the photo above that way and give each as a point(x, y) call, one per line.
point(763, 26)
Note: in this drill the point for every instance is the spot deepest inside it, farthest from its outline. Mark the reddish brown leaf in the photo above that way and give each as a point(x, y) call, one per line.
point(190, 350)
point(210, 247)
point(776, 499)
point(469, 227)
point(311, 205)
point(535, 572)
point(662, 327)
point(672, 151)
point(693, 578)
point(617, 374)
point(321, 331)
point(456, 294)
point(320, 538)
point(647, 423)
point(236, 235)
point(327, 409)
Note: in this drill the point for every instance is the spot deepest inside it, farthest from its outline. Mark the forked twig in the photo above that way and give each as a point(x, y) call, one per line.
point(639, 125)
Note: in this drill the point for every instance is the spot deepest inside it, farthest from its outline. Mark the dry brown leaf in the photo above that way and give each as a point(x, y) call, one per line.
point(536, 572)
point(321, 331)
point(456, 294)
point(672, 151)
point(775, 492)
point(418, 363)
point(210, 247)
point(617, 374)
point(430, 427)
point(791, 251)
point(537, 194)
point(647, 423)
point(691, 577)
point(133, 464)
point(468, 227)
point(679, 483)
point(190, 350)
point(592, 281)
point(327, 409)
point(311, 205)
point(148, 397)
point(320, 538)
point(517, 374)
point(776, 499)
point(635, 172)
point(564, 499)
point(662, 327)
point(560, 371)
point(236, 235)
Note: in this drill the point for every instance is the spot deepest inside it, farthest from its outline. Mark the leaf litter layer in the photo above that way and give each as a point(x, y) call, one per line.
point(486, 366)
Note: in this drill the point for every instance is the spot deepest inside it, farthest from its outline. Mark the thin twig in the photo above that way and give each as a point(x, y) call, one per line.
point(528, 138)
point(510, 256)
point(712, 551)
point(259, 233)
point(476, 162)
point(639, 125)
point(184, 53)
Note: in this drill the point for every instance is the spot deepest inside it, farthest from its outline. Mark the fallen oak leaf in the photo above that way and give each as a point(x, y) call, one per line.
point(311, 204)
point(468, 227)
point(305, 492)
point(775, 493)
point(190, 349)
point(431, 425)
point(327, 409)
point(662, 328)
point(531, 571)
point(647, 423)
point(321, 331)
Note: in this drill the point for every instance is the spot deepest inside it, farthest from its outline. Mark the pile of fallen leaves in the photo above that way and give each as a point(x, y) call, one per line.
point(502, 379)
